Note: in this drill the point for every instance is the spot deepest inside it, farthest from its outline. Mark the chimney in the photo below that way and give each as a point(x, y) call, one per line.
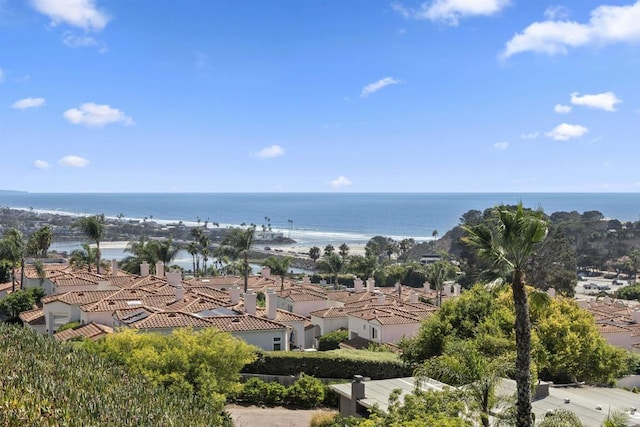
point(456, 290)
point(144, 269)
point(357, 285)
point(382, 298)
point(551, 292)
point(272, 299)
point(306, 280)
point(160, 269)
point(397, 286)
point(114, 267)
point(357, 393)
point(234, 293)
point(250, 302)
point(179, 292)
point(266, 272)
point(541, 390)
point(446, 287)
point(635, 316)
point(427, 287)
point(103, 285)
point(413, 297)
point(174, 278)
point(371, 285)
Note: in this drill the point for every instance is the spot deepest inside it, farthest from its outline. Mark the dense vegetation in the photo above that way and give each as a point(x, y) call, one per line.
point(44, 382)
point(205, 363)
point(565, 341)
point(330, 364)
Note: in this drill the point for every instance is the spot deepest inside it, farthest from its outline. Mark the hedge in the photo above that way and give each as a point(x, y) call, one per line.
point(330, 364)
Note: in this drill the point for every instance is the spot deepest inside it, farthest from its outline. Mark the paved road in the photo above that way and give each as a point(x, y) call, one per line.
point(250, 416)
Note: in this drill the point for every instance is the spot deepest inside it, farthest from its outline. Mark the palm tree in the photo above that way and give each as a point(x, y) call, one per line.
point(93, 228)
point(237, 243)
point(12, 249)
point(434, 234)
point(278, 266)
point(84, 257)
point(463, 365)
point(344, 251)
point(192, 248)
point(511, 244)
point(329, 249)
point(437, 273)
point(314, 253)
point(331, 264)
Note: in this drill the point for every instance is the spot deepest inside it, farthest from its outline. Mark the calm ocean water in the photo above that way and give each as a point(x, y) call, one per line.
point(322, 217)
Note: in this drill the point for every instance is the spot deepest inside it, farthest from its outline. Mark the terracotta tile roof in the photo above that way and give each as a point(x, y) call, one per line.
point(78, 297)
point(332, 312)
point(217, 281)
point(244, 323)
point(33, 317)
point(8, 286)
point(281, 315)
point(73, 280)
point(170, 320)
point(385, 315)
point(612, 329)
point(356, 343)
point(92, 331)
point(211, 292)
point(130, 315)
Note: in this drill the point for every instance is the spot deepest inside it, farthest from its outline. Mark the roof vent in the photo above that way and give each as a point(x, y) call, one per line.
point(567, 400)
point(171, 315)
point(236, 320)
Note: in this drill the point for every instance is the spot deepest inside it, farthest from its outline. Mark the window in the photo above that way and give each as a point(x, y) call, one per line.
point(276, 347)
point(276, 339)
point(374, 333)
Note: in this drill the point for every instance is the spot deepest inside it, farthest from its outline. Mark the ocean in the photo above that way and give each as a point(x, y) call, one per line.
point(321, 218)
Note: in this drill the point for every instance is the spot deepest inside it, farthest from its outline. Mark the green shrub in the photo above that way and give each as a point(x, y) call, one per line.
point(332, 340)
point(306, 392)
point(276, 394)
point(48, 383)
point(70, 325)
point(330, 364)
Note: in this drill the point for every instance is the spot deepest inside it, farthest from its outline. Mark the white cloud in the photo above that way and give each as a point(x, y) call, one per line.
point(501, 145)
point(450, 11)
point(604, 101)
point(340, 181)
point(376, 86)
point(565, 132)
point(556, 12)
point(532, 135)
point(562, 109)
point(73, 162)
point(1, 75)
point(41, 164)
point(25, 103)
point(96, 115)
point(270, 152)
point(79, 13)
point(607, 25)
point(75, 41)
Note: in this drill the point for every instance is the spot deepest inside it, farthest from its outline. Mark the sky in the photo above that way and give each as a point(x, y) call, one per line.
point(320, 95)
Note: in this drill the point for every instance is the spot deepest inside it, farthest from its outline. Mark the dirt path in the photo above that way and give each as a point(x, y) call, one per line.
point(250, 416)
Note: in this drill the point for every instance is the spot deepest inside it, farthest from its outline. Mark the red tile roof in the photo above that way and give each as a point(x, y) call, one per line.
point(92, 331)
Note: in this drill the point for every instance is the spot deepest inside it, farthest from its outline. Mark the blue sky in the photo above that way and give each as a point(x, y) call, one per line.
point(314, 96)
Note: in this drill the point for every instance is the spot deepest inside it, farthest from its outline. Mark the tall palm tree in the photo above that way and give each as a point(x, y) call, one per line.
point(278, 266)
point(84, 257)
point(12, 249)
point(314, 253)
point(516, 234)
point(437, 273)
point(165, 250)
point(332, 264)
point(93, 228)
point(344, 251)
point(463, 365)
point(237, 244)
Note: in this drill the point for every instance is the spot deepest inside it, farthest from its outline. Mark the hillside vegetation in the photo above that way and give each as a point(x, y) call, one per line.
point(44, 382)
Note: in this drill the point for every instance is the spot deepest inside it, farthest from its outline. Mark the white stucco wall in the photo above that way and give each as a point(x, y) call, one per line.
point(394, 333)
point(59, 310)
point(101, 317)
point(264, 339)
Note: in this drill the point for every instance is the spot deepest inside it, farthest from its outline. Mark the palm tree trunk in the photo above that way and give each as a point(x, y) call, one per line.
point(98, 256)
point(22, 273)
point(246, 271)
point(523, 349)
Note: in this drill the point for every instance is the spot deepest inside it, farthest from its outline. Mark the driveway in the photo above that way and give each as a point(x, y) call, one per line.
point(250, 416)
